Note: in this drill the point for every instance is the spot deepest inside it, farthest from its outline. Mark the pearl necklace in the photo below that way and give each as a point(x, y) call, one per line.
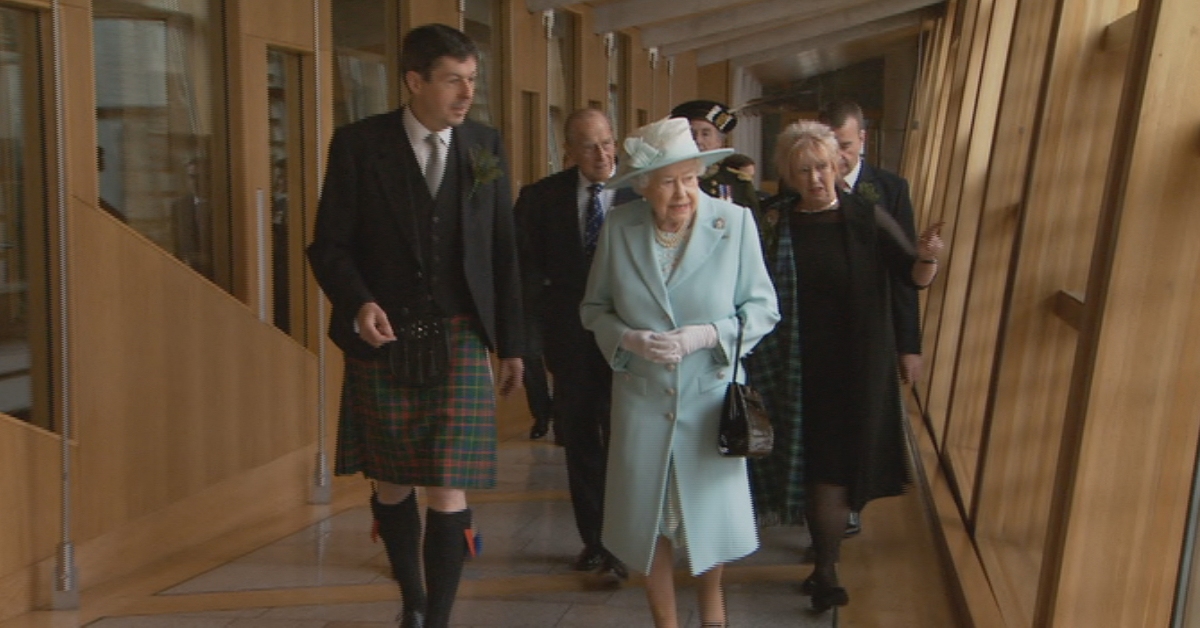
point(830, 207)
point(670, 240)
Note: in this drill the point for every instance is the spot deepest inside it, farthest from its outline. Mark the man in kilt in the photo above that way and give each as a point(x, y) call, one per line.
point(414, 246)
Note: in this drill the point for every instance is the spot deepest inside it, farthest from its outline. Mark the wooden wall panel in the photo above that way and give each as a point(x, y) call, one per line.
point(685, 83)
point(526, 47)
point(288, 24)
point(29, 492)
point(969, 41)
point(177, 385)
point(593, 72)
point(1137, 444)
point(641, 98)
point(999, 215)
point(428, 11)
point(1056, 235)
point(921, 128)
point(714, 82)
point(965, 431)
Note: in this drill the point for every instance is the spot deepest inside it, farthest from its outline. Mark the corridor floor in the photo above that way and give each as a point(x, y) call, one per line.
point(318, 568)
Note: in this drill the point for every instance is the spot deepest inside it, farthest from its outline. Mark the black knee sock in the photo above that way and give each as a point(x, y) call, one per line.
point(445, 551)
point(400, 529)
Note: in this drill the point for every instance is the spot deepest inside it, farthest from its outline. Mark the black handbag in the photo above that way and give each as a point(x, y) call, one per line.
point(745, 426)
point(420, 355)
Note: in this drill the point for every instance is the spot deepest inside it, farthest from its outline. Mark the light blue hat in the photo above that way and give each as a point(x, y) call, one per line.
point(660, 144)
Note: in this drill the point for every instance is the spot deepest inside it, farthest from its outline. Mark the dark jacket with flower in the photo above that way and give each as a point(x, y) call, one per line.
point(366, 245)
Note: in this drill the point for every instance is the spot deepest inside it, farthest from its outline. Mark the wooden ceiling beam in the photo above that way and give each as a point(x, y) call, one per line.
point(871, 18)
point(614, 16)
point(764, 15)
point(537, 6)
point(828, 40)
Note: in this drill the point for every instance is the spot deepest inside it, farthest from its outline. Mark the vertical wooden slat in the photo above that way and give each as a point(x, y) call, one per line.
point(1061, 207)
point(1132, 456)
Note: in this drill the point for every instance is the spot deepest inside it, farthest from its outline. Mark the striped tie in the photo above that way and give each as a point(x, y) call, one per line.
point(594, 220)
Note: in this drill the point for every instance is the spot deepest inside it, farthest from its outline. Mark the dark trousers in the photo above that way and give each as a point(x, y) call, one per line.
point(537, 388)
point(582, 402)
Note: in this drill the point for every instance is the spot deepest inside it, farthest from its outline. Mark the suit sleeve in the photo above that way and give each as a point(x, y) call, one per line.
point(906, 317)
point(331, 253)
point(533, 277)
point(506, 271)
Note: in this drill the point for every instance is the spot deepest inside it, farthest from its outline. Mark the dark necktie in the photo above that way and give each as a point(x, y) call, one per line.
point(593, 220)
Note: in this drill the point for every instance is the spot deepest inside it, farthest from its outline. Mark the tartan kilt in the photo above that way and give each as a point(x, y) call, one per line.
point(438, 436)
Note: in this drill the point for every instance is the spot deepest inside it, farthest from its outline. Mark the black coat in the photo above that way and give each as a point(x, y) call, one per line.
point(878, 257)
point(554, 266)
point(890, 191)
point(365, 242)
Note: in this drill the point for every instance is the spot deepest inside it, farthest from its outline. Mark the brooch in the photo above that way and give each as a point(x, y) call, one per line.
point(719, 223)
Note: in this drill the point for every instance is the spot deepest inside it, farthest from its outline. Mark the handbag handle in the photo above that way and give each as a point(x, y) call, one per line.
point(737, 353)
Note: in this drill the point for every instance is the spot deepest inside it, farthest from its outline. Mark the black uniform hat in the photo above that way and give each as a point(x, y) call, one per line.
point(709, 110)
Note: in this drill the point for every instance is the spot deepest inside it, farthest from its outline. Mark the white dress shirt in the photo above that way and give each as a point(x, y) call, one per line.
point(416, 138)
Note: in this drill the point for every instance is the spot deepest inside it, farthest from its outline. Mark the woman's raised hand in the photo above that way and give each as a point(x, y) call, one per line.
point(930, 244)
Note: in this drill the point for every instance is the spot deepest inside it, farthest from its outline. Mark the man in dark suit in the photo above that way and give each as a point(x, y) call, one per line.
point(889, 191)
point(558, 221)
point(415, 248)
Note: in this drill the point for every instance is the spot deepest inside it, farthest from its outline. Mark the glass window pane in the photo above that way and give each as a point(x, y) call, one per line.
point(155, 101)
point(481, 22)
point(562, 84)
point(284, 102)
point(361, 44)
point(24, 337)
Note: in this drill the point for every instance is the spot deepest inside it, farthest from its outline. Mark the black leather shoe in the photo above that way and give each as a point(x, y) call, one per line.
point(589, 559)
point(853, 525)
point(615, 566)
point(825, 597)
point(540, 428)
point(411, 619)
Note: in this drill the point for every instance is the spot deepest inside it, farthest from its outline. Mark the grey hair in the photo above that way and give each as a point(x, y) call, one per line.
point(642, 180)
point(799, 136)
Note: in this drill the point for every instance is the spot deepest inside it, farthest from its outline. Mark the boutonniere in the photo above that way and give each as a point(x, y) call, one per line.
point(867, 190)
point(485, 167)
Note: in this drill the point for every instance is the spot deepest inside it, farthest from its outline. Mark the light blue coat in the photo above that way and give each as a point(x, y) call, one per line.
point(670, 412)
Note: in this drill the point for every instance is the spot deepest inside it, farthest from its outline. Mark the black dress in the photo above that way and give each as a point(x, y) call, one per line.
point(829, 370)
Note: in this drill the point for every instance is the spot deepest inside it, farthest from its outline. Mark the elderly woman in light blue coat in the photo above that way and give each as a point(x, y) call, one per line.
point(673, 273)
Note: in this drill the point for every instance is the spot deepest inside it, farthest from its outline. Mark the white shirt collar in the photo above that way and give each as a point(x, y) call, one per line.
point(852, 178)
point(417, 132)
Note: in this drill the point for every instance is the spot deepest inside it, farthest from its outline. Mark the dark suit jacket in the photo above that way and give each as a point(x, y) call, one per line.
point(892, 192)
point(554, 267)
point(365, 242)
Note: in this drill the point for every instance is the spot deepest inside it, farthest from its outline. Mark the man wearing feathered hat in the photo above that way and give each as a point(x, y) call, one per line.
point(711, 121)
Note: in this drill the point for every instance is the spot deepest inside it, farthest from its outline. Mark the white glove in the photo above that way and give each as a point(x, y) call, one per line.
point(691, 338)
point(651, 346)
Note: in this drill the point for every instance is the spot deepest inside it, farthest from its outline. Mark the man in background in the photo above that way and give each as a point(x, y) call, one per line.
point(559, 219)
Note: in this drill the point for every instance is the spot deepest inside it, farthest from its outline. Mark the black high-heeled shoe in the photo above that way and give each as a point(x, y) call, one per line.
point(809, 585)
point(825, 597)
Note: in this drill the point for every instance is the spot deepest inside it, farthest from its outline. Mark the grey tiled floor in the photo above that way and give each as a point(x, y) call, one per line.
point(527, 537)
